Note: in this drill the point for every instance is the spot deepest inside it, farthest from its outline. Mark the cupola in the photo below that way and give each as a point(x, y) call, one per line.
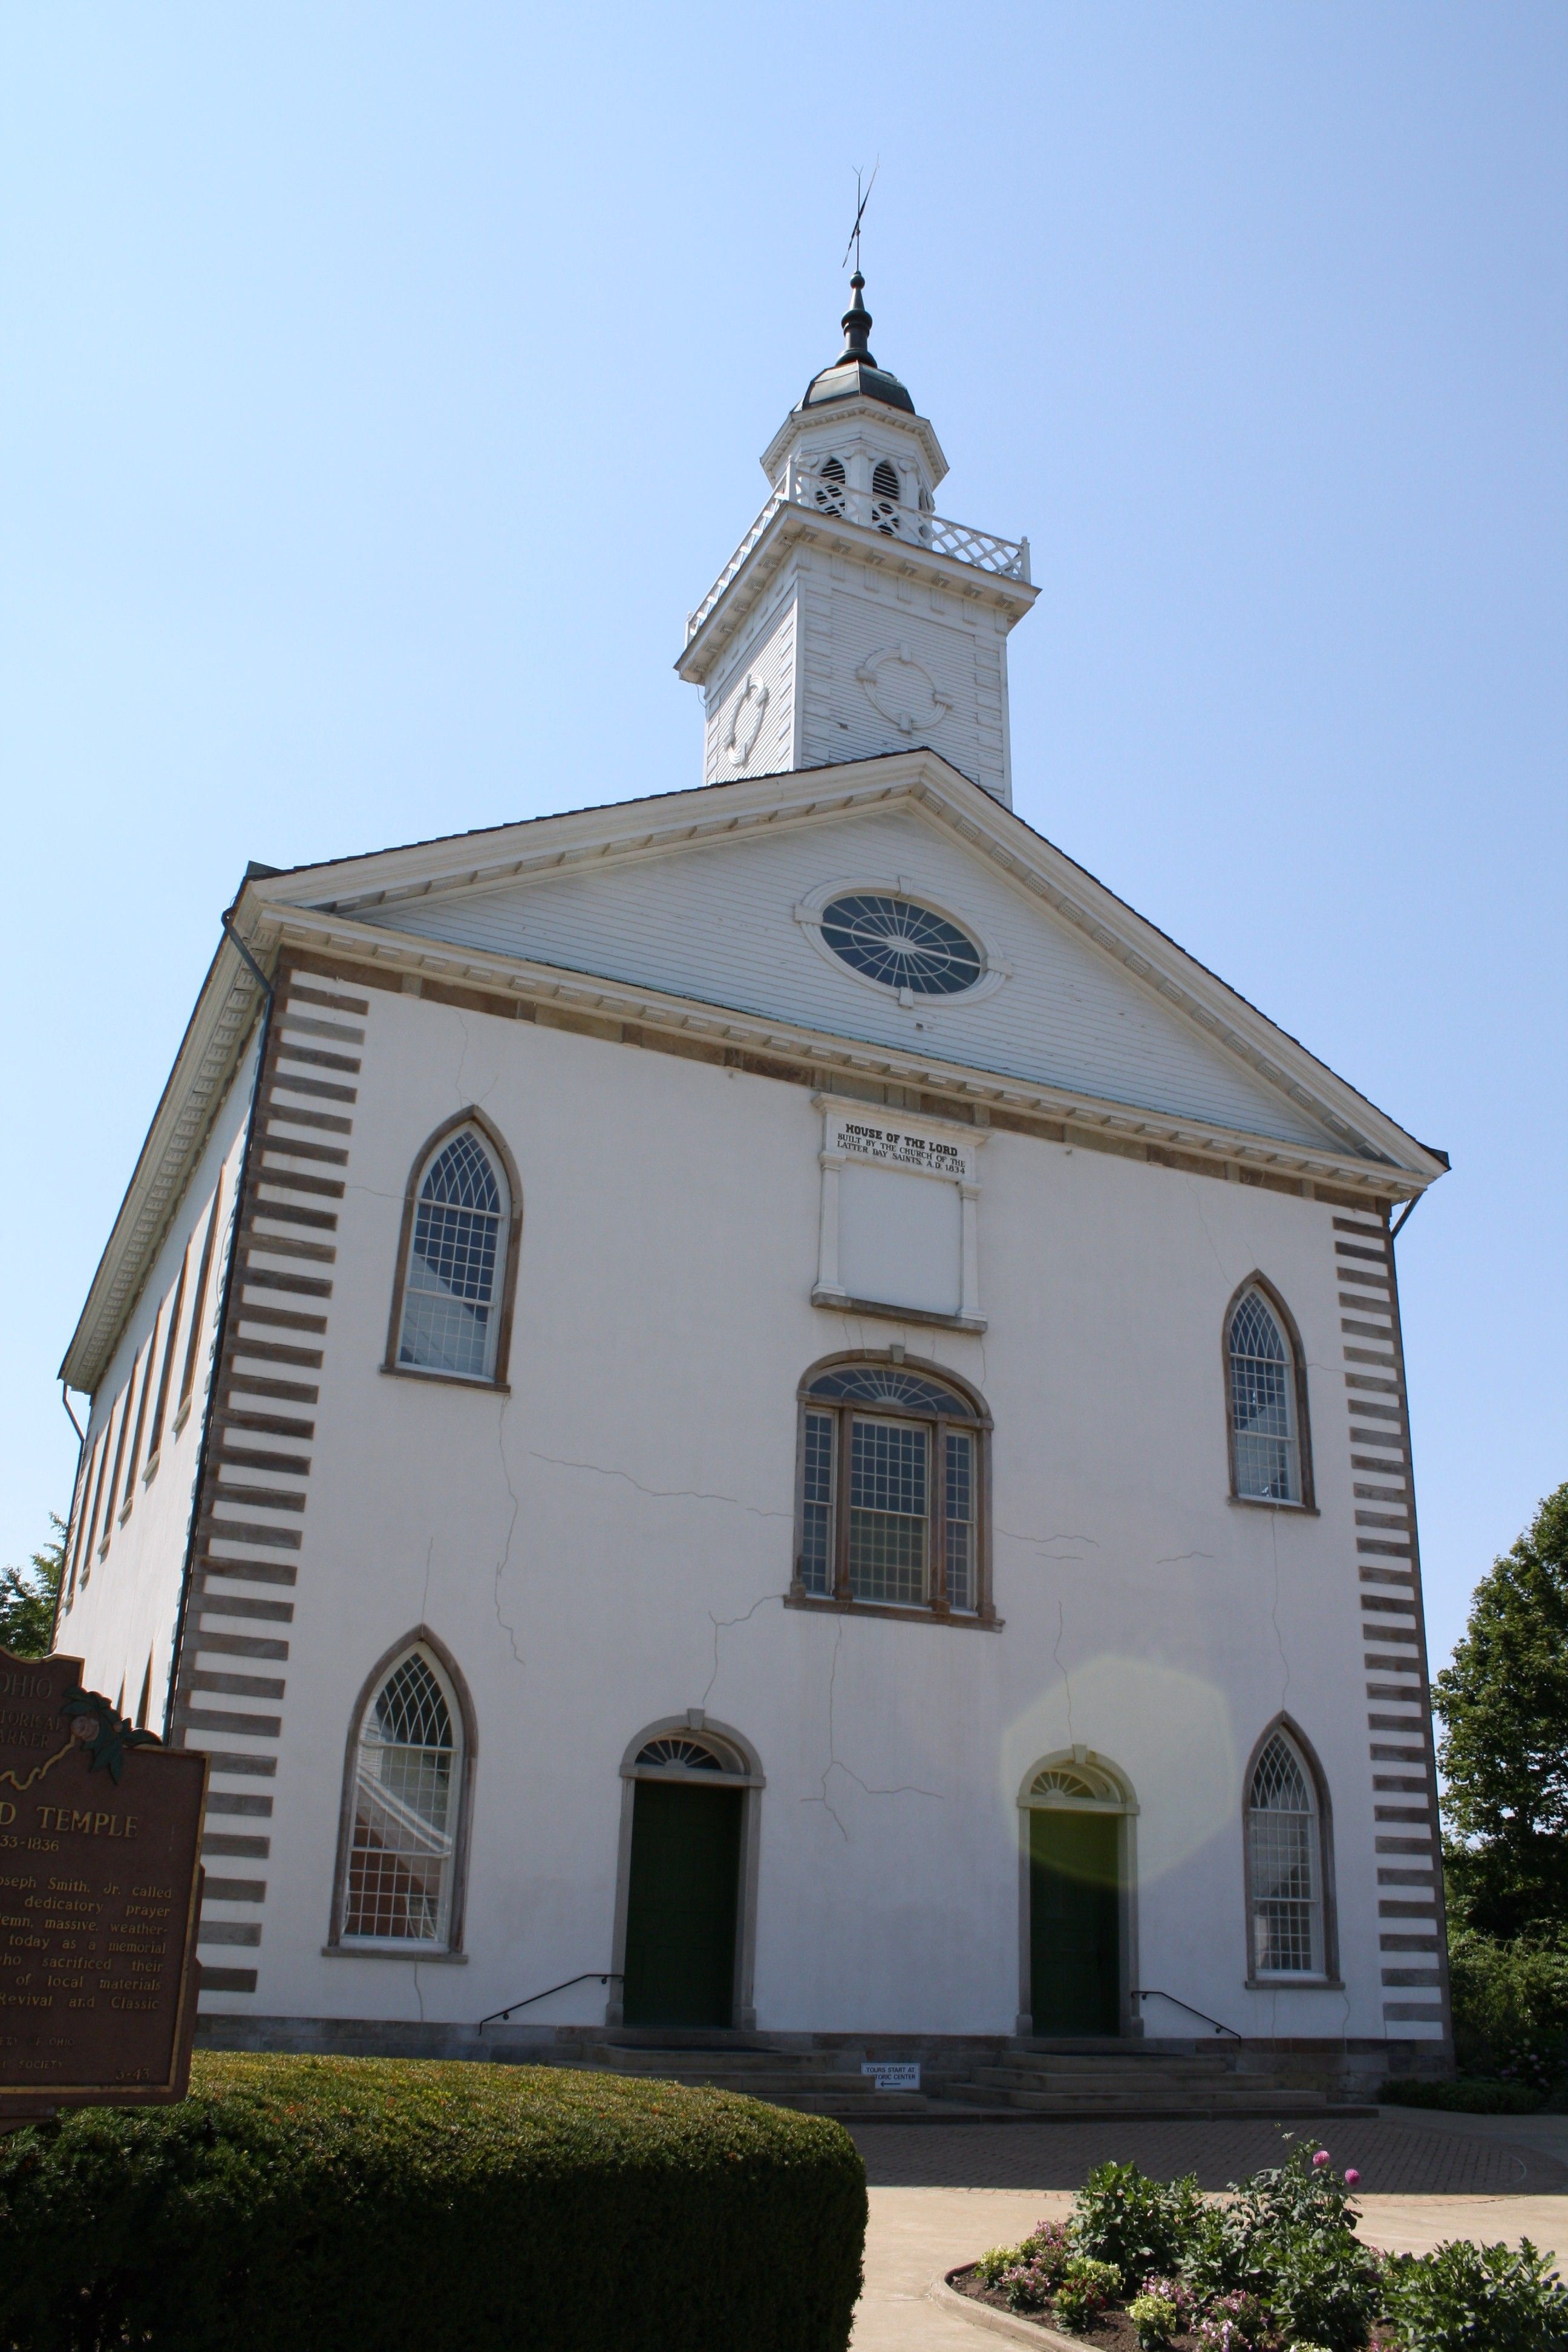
point(853, 619)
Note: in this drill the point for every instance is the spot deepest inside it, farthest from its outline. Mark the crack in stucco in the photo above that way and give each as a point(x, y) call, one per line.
point(835, 1763)
point(463, 1057)
point(1172, 1559)
point(1196, 1198)
point(1274, 1613)
point(722, 1626)
point(659, 1494)
point(1061, 1669)
point(505, 1561)
point(1038, 1543)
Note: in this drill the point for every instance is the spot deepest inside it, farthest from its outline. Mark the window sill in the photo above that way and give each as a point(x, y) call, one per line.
point(151, 1471)
point(444, 1379)
point(368, 1951)
point(1295, 1984)
point(1265, 1503)
point(823, 1604)
point(180, 1418)
point(841, 1303)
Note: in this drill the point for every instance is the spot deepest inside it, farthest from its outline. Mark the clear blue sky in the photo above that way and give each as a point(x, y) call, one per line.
point(381, 383)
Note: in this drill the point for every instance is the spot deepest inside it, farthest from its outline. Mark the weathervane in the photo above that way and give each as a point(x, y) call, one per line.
point(861, 201)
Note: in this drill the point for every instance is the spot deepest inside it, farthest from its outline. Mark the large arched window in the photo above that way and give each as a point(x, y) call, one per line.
point(891, 1490)
point(1285, 1863)
point(1267, 1403)
point(449, 1313)
point(399, 1870)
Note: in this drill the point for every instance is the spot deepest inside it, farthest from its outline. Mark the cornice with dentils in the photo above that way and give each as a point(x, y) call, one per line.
point(317, 907)
point(652, 828)
point(203, 1070)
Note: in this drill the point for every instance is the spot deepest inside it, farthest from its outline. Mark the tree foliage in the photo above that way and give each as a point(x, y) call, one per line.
point(1503, 1705)
point(27, 1598)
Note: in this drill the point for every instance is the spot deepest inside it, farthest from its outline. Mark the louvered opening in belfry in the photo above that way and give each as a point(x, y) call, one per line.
point(885, 498)
point(830, 484)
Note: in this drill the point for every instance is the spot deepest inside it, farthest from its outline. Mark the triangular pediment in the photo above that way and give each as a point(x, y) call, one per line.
point(705, 899)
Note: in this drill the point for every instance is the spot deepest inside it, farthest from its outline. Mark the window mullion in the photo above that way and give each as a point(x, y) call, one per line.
point(937, 1440)
point(980, 1522)
point(844, 1434)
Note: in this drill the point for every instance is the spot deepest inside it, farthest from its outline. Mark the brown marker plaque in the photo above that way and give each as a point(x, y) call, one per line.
point(101, 1836)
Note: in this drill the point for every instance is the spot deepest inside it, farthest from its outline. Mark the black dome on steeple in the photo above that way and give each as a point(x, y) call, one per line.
point(854, 373)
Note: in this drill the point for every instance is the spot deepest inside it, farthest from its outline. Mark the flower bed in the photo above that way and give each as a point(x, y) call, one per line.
point(1145, 2265)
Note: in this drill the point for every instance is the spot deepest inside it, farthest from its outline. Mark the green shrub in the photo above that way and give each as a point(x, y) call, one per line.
point(1156, 2318)
point(1510, 2008)
point(1469, 2095)
point(1121, 2216)
point(1287, 2236)
point(426, 2208)
point(1085, 2288)
point(1462, 2298)
point(1238, 2321)
point(1032, 2272)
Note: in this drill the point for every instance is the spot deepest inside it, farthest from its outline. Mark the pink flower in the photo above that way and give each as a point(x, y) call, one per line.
point(1351, 2177)
point(1321, 2159)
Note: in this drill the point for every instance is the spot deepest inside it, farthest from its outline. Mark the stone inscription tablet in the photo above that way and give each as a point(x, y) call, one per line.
point(864, 1136)
point(100, 1881)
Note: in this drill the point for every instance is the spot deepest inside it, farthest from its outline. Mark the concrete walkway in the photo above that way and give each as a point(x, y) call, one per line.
point(1427, 2178)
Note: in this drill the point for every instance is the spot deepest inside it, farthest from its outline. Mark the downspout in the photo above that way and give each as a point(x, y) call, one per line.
point(1404, 1216)
point(71, 1522)
point(220, 1331)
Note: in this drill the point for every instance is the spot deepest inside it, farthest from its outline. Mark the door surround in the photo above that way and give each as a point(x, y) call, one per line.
point(1077, 1779)
point(739, 1767)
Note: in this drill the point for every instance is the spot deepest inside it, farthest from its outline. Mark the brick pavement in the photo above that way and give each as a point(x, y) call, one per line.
point(1393, 2160)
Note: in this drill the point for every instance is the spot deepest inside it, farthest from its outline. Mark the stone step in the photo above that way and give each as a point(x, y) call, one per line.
point(1135, 2103)
point(618, 2059)
point(855, 2106)
point(1111, 2078)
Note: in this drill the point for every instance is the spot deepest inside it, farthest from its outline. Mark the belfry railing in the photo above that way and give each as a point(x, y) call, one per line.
point(832, 495)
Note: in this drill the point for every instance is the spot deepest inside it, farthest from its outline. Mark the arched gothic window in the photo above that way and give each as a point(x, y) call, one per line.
point(454, 1268)
point(892, 1488)
point(406, 1792)
point(1266, 1403)
point(1285, 1863)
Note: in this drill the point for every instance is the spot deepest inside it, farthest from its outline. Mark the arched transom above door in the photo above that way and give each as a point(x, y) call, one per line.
point(1077, 1782)
point(679, 1749)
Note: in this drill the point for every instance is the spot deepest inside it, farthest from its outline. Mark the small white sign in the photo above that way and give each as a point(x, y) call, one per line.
point(889, 2076)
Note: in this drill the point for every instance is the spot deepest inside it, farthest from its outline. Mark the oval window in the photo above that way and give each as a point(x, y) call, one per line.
point(901, 944)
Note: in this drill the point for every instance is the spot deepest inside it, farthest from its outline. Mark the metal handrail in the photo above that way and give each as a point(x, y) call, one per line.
point(1155, 1992)
point(589, 1976)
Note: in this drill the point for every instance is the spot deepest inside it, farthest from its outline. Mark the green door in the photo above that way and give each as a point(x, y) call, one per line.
point(681, 1904)
point(1075, 1958)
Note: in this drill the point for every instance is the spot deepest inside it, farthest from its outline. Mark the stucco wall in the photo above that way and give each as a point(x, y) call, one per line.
point(123, 1599)
point(608, 1546)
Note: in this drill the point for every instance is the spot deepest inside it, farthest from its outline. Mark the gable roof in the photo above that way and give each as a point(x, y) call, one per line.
point(398, 906)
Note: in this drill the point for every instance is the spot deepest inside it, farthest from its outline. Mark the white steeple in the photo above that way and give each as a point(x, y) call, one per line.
point(852, 619)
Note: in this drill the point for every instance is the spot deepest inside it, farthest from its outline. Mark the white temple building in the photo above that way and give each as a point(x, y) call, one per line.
point(763, 1407)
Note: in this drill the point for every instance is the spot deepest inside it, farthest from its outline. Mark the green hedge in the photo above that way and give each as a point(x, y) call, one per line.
point(383, 2205)
point(1466, 2094)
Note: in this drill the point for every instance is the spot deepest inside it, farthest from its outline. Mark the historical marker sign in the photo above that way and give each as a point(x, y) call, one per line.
point(99, 1881)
